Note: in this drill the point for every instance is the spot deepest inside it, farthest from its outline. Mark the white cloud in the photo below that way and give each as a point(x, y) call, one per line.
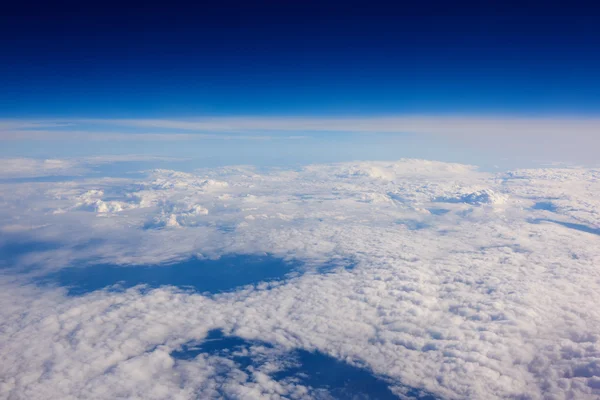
point(479, 303)
point(30, 167)
point(27, 167)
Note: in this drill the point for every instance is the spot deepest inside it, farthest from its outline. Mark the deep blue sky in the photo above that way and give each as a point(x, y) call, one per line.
point(273, 59)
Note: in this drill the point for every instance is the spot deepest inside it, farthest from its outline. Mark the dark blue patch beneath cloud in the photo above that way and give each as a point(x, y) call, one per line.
point(438, 211)
point(12, 250)
point(217, 344)
point(326, 375)
point(570, 225)
point(212, 276)
point(412, 224)
point(545, 206)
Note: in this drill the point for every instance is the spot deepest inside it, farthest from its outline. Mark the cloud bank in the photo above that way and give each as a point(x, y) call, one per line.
point(461, 285)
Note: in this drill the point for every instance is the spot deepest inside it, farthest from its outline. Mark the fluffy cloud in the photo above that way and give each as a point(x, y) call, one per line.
point(460, 285)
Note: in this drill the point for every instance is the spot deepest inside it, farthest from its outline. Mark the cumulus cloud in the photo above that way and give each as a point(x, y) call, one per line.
point(479, 302)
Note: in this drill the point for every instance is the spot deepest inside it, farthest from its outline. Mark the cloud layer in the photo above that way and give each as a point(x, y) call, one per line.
point(461, 286)
point(542, 138)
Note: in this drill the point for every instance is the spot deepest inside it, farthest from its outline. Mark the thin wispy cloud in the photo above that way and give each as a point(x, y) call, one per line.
point(542, 138)
point(453, 126)
point(22, 167)
point(83, 135)
point(456, 125)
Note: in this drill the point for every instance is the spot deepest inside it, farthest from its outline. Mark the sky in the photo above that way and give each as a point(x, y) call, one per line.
point(300, 200)
point(70, 63)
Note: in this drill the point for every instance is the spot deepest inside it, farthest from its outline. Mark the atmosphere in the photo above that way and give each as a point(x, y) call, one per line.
point(299, 200)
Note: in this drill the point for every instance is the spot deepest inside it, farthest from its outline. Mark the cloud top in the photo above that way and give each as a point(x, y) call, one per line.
point(461, 286)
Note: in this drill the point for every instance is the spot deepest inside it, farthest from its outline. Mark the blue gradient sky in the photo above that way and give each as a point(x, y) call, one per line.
point(287, 59)
point(269, 59)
